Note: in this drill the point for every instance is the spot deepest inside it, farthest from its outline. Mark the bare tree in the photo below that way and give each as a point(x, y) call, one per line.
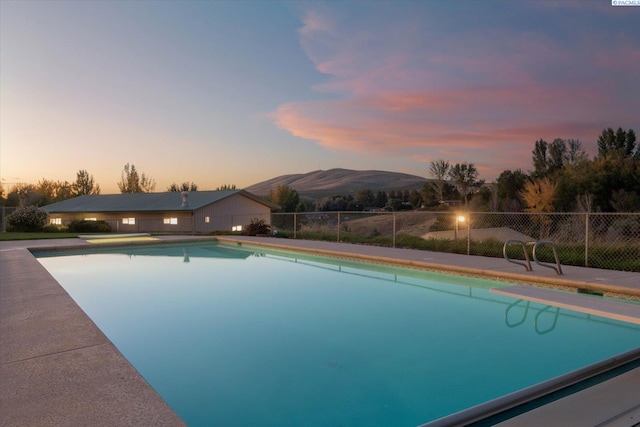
point(465, 178)
point(584, 202)
point(439, 170)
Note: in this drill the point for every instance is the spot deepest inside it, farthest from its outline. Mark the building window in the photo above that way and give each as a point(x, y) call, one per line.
point(172, 221)
point(55, 221)
point(236, 228)
point(91, 219)
point(129, 221)
point(206, 219)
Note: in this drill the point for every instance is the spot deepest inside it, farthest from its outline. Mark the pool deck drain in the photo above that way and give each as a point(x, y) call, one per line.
point(57, 368)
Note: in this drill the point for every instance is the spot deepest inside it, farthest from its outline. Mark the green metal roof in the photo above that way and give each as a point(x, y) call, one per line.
point(146, 202)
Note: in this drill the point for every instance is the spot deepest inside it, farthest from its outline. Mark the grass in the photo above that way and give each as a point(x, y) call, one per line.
point(621, 257)
point(34, 236)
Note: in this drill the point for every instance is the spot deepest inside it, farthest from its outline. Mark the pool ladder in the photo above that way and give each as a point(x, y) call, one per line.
point(536, 245)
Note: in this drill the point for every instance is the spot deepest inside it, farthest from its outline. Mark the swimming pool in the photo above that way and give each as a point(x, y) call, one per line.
point(231, 336)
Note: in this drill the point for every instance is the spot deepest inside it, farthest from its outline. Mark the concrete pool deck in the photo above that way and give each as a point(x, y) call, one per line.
point(57, 368)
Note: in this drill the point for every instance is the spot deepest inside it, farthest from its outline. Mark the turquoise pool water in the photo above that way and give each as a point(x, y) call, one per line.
point(239, 336)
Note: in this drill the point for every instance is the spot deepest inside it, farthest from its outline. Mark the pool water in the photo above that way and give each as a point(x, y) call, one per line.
point(239, 336)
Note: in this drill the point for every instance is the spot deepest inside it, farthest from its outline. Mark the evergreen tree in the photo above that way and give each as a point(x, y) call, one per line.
point(84, 184)
point(132, 182)
point(185, 186)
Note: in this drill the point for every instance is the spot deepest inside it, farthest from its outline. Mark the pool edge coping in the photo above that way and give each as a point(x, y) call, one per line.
point(529, 279)
point(92, 384)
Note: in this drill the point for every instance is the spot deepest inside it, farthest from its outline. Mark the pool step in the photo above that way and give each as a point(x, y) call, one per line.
point(626, 312)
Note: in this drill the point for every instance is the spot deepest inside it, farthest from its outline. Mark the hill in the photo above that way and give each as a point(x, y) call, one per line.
point(332, 182)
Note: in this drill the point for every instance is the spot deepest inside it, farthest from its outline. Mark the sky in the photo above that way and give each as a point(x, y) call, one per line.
point(238, 92)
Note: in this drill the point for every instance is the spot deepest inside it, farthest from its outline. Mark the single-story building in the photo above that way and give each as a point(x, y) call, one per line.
point(186, 212)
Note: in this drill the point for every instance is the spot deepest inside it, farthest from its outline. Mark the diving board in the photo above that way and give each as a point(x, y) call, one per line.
point(618, 310)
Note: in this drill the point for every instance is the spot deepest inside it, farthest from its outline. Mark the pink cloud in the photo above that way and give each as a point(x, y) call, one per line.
point(474, 97)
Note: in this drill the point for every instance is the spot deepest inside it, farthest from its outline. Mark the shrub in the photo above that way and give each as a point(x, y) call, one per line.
point(54, 228)
point(26, 219)
point(444, 221)
point(257, 226)
point(82, 226)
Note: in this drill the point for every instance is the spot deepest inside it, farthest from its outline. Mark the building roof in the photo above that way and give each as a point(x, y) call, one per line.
point(147, 202)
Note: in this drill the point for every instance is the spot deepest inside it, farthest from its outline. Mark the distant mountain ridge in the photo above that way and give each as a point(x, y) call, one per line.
point(340, 182)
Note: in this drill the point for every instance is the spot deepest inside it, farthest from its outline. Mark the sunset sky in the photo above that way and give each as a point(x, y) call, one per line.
point(238, 92)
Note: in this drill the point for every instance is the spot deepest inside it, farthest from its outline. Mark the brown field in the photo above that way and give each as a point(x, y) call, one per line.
point(410, 223)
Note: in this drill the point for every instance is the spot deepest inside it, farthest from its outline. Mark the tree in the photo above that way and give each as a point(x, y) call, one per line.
point(428, 193)
point(540, 159)
point(365, 198)
point(620, 143)
point(132, 182)
point(381, 199)
point(617, 167)
point(415, 199)
point(84, 184)
point(577, 187)
point(625, 201)
point(465, 178)
point(575, 152)
point(632, 145)
point(439, 170)
point(509, 186)
point(53, 191)
point(226, 187)
point(336, 203)
point(538, 194)
point(557, 156)
point(185, 186)
point(286, 197)
point(22, 195)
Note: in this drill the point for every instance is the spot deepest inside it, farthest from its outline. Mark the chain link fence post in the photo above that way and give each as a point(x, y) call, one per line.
point(586, 239)
point(394, 229)
point(468, 233)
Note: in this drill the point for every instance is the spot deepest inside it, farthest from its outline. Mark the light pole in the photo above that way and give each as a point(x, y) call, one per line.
point(459, 219)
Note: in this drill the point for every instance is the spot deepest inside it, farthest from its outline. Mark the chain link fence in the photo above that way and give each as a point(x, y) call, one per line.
point(599, 240)
point(4, 213)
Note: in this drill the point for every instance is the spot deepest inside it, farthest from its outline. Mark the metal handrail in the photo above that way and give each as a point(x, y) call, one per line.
point(557, 267)
point(527, 266)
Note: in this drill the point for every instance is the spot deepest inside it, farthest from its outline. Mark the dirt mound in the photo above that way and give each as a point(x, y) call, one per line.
point(410, 223)
point(501, 234)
